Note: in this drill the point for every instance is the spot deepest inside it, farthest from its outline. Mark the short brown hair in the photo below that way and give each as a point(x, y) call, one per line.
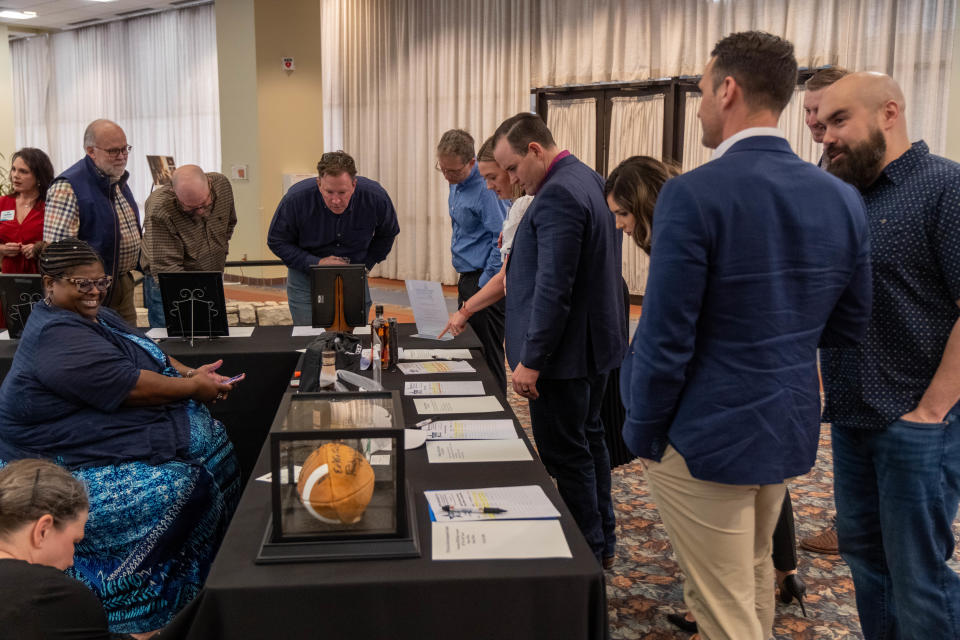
point(824, 78)
point(31, 489)
point(762, 64)
point(522, 129)
point(333, 163)
point(456, 142)
point(635, 185)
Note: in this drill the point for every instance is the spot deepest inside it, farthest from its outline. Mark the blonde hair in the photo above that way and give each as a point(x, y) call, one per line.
point(31, 489)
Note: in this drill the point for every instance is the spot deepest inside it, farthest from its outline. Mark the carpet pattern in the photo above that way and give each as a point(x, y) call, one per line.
point(645, 583)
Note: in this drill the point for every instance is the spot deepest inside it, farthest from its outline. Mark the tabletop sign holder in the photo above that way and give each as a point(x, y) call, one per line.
point(19, 292)
point(337, 484)
point(337, 296)
point(193, 304)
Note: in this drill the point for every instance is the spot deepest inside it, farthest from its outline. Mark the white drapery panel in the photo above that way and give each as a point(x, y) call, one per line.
point(397, 74)
point(155, 76)
point(636, 129)
point(624, 40)
point(694, 153)
point(793, 126)
point(573, 124)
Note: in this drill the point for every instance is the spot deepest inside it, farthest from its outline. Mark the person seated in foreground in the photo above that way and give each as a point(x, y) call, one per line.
point(101, 399)
point(43, 510)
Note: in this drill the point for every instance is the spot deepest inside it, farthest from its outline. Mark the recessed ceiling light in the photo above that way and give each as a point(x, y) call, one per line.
point(103, 0)
point(17, 15)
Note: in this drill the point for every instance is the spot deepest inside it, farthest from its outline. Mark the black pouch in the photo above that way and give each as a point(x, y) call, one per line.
point(347, 347)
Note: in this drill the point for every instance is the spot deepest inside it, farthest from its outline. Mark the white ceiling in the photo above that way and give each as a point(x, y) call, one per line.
point(54, 15)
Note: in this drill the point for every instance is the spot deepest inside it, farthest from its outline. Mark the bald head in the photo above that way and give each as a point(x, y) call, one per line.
point(865, 125)
point(192, 188)
point(106, 144)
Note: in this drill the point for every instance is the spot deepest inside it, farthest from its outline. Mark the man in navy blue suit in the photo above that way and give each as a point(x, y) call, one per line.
point(565, 317)
point(757, 257)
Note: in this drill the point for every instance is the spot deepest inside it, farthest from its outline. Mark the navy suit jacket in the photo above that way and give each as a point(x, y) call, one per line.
point(565, 315)
point(757, 257)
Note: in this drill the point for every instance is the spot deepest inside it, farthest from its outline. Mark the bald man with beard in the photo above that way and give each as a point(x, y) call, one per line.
point(892, 400)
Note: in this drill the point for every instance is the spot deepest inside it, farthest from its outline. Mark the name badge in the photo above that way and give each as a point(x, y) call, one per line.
point(7, 215)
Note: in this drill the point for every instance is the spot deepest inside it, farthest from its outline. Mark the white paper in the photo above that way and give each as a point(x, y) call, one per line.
point(442, 451)
point(283, 475)
point(519, 503)
point(380, 459)
point(429, 307)
point(512, 539)
point(232, 332)
point(437, 388)
point(475, 404)
point(362, 331)
point(471, 430)
point(306, 331)
point(435, 366)
point(4, 335)
point(435, 354)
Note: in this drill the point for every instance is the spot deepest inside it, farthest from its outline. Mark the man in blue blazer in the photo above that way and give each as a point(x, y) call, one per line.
point(565, 317)
point(757, 257)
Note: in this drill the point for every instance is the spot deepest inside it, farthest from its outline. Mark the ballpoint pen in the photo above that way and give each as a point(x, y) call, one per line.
point(449, 508)
point(424, 423)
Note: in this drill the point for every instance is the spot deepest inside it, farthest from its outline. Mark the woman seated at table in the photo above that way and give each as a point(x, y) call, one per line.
point(631, 192)
point(43, 510)
point(99, 398)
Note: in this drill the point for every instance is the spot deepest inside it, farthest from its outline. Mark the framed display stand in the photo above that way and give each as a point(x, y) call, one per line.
point(19, 292)
point(194, 304)
point(337, 296)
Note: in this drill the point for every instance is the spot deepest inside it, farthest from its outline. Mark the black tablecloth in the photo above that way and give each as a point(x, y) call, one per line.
point(402, 598)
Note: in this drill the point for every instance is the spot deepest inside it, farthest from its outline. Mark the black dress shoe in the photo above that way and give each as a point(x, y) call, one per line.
point(680, 621)
point(793, 587)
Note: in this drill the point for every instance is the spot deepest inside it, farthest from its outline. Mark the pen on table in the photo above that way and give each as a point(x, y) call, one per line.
point(424, 423)
point(436, 357)
point(449, 508)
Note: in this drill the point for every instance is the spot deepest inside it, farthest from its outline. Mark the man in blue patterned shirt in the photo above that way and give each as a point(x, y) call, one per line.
point(892, 400)
point(477, 216)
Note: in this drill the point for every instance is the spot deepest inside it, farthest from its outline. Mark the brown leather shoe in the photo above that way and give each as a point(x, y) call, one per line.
point(824, 542)
point(608, 562)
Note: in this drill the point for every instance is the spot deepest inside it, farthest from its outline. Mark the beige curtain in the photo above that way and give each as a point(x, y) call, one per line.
point(396, 75)
point(573, 124)
point(694, 153)
point(636, 129)
point(583, 42)
point(793, 126)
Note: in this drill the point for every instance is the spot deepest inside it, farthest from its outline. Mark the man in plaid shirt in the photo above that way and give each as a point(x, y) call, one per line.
point(187, 226)
point(91, 201)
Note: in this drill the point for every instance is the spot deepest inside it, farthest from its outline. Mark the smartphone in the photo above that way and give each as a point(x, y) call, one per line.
point(234, 379)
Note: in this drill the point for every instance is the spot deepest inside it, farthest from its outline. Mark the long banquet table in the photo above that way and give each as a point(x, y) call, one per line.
point(409, 597)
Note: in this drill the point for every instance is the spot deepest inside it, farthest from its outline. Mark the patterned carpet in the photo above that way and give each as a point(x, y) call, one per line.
point(645, 583)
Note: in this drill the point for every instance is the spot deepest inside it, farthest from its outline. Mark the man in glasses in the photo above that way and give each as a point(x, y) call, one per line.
point(187, 226)
point(91, 201)
point(334, 219)
point(477, 217)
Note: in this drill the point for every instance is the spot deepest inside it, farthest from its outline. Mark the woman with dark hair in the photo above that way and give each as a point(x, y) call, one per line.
point(631, 192)
point(101, 399)
point(21, 212)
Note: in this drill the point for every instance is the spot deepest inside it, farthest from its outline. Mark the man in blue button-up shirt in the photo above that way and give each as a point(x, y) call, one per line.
point(892, 400)
point(335, 218)
point(477, 216)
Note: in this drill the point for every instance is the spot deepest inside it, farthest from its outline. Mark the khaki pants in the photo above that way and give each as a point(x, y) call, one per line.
point(722, 535)
point(122, 300)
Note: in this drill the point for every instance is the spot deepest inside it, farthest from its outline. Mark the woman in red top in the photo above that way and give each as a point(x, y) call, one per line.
point(21, 212)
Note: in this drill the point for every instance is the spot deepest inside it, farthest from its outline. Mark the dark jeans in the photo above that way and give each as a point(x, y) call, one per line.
point(897, 491)
point(488, 324)
point(570, 440)
point(153, 302)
